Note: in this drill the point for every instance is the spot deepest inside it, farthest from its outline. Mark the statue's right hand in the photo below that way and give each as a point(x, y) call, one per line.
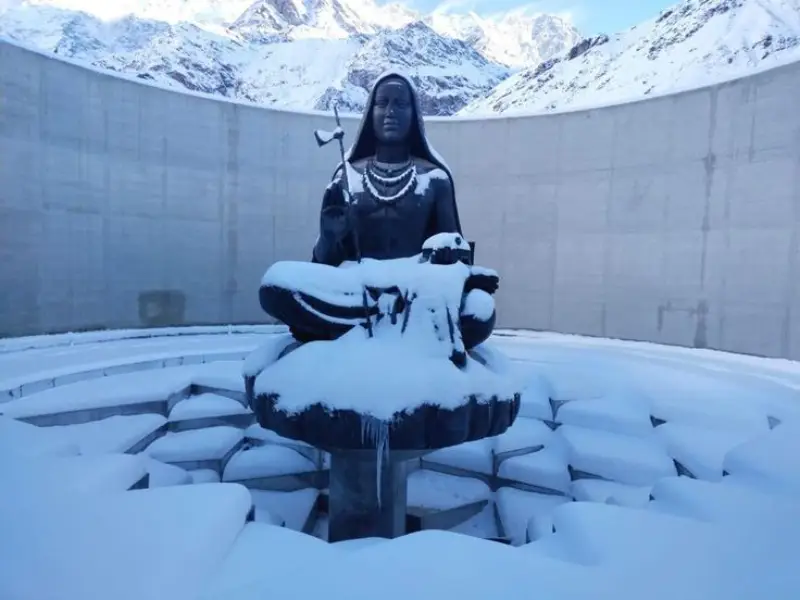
point(334, 222)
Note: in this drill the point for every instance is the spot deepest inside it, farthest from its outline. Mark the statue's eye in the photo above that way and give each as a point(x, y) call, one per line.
point(458, 241)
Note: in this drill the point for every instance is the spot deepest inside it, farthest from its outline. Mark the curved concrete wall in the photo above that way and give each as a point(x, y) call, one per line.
point(672, 220)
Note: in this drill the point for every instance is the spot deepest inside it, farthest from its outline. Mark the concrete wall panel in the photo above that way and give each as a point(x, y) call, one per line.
point(673, 219)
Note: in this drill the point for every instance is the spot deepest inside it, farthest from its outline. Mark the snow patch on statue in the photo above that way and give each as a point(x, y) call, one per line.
point(424, 180)
point(453, 241)
point(479, 304)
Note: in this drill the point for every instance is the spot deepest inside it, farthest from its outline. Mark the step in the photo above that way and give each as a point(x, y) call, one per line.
point(77, 474)
point(477, 519)
point(524, 436)
point(442, 565)
point(208, 410)
point(261, 466)
point(610, 492)
point(615, 457)
point(601, 533)
point(97, 399)
point(715, 502)
point(443, 501)
point(544, 471)
point(257, 435)
point(163, 475)
point(244, 569)
point(198, 449)
point(286, 509)
point(129, 434)
point(624, 413)
point(170, 533)
point(472, 456)
point(770, 460)
point(431, 490)
point(25, 440)
point(204, 476)
point(688, 558)
point(701, 450)
point(516, 508)
point(712, 412)
point(535, 398)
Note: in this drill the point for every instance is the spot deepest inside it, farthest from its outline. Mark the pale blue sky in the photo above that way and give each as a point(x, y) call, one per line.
point(589, 16)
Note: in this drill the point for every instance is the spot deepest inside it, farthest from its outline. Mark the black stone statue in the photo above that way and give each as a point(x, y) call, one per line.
point(391, 198)
point(402, 194)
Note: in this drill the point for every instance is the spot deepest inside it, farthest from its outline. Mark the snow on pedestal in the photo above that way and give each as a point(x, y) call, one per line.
point(404, 365)
point(265, 355)
point(380, 377)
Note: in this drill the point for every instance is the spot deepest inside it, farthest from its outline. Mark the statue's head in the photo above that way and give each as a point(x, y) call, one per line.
point(393, 111)
point(392, 117)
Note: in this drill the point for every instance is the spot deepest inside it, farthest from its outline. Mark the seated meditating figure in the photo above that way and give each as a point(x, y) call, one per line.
point(402, 194)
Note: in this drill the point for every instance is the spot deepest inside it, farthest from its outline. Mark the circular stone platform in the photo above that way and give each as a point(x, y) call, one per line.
point(672, 433)
point(426, 428)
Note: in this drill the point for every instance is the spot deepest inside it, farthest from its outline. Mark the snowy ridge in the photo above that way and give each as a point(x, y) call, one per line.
point(692, 44)
point(446, 71)
point(517, 38)
point(307, 54)
point(288, 53)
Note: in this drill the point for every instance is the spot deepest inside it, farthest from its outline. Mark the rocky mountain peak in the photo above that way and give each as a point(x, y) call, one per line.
point(691, 44)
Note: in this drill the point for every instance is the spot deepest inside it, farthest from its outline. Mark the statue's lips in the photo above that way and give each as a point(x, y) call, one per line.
point(391, 125)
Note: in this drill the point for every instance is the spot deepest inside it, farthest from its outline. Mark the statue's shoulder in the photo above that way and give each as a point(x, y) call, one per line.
point(357, 165)
point(425, 167)
point(360, 164)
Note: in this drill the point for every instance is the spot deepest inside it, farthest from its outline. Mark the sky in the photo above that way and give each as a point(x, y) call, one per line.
point(589, 16)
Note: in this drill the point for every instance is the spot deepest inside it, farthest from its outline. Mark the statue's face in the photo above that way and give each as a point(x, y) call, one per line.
point(393, 111)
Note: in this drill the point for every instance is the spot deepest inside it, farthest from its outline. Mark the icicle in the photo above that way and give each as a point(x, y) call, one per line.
point(376, 431)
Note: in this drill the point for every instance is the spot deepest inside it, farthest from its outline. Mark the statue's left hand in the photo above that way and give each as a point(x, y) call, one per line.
point(334, 222)
point(482, 281)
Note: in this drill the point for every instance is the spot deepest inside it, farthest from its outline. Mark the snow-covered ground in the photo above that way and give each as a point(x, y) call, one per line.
point(634, 471)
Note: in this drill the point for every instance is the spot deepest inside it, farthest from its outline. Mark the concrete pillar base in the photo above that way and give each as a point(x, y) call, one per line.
point(354, 509)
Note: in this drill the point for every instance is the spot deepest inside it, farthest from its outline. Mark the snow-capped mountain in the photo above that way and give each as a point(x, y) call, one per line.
point(691, 44)
point(446, 70)
point(328, 19)
point(290, 53)
point(517, 39)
